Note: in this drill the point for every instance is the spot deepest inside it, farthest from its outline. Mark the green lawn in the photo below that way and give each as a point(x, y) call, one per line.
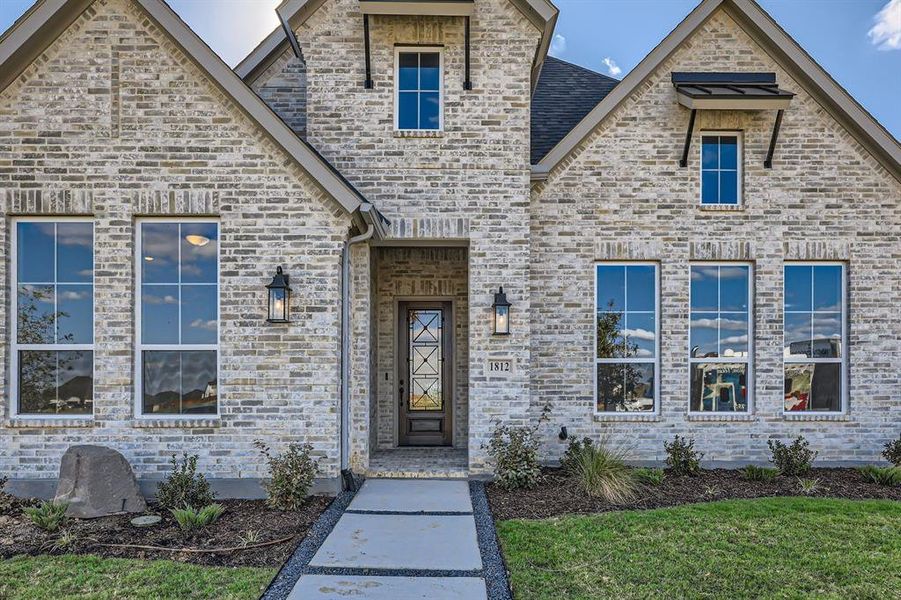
point(90, 577)
point(766, 548)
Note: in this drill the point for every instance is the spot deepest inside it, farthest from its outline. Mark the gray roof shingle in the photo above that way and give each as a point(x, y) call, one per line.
point(564, 95)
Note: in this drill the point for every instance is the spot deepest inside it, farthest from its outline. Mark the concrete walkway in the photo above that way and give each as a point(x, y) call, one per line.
point(400, 540)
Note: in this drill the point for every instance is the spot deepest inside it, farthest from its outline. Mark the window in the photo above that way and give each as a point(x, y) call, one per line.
point(418, 101)
point(720, 168)
point(53, 329)
point(178, 317)
point(626, 338)
point(720, 337)
point(814, 333)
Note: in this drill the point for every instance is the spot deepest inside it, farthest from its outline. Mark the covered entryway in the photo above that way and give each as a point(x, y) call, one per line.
point(419, 419)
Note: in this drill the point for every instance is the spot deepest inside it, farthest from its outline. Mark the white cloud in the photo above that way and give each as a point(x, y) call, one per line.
point(723, 322)
point(639, 334)
point(558, 45)
point(886, 33)
point(72, 295)
point(201, 324)
point(612, 68)
point(735, 339)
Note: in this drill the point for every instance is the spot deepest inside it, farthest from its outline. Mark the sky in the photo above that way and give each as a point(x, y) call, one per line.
point(857, 41)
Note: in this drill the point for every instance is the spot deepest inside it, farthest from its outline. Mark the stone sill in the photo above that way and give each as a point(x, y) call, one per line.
point(202, 423)
point(721, 417)
point(38, 423)
point(816, 417)
point(612, 418)
point(721, 207)
point(418, 134)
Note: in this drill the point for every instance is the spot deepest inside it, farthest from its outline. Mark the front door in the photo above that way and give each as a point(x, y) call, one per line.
point(424, 390)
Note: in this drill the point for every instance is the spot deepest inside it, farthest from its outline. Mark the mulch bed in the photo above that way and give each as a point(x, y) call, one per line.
point(558, 494)
point(19, 536)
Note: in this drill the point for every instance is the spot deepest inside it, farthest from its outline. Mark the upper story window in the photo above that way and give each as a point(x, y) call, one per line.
point(721, 339)
point(178, 317)
point(720, 167)
point(814, 333)
point(626, 337)
point(52, 370)
point(418, 90)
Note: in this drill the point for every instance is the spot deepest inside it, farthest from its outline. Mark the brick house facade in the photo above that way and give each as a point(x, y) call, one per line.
point(397, 238)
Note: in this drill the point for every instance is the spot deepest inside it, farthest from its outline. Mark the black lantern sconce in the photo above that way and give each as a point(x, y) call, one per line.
point(279, 298)
point(501, 313)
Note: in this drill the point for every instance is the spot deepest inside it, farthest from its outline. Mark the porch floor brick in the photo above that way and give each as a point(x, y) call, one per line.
point(342, 587)
point(413, 496)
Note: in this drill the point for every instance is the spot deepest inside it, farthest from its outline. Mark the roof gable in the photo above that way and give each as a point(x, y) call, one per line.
point(47, 19)
point(761, 27)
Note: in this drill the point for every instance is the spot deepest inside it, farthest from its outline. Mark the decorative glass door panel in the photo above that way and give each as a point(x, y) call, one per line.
point(426, 333)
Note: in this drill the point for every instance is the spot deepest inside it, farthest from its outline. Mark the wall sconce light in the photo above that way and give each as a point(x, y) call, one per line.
point(279, 298)
point(501, 313)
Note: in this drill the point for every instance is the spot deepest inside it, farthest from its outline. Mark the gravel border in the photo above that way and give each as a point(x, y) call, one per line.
point(494, 570)
point(282, 584)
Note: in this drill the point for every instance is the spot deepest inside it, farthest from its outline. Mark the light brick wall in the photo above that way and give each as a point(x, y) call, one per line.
point(418, 273)
point(622, 196)
point(114, 122)
point(283, 86)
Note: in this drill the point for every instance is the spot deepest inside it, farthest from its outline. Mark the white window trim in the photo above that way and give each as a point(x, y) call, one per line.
point(419, 49)
point(140, 346)
point(604, 415)
point(843, 360)
point(15, 346)
point(749, 360)
point(739, 160)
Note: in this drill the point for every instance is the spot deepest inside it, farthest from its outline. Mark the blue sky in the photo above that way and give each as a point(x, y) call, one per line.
point(857, 41)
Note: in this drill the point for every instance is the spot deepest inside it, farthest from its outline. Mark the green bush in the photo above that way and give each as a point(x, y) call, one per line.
point(575, 448)
point(649, 476)
point(890, 476)
point(602, 472)
point(515, 454)
point(794, 459)
point(291, 475)
point(190, 518)
point(49, 516)
point(681, 456)
point(892, 452)
point(184, 487)
point(755, 473)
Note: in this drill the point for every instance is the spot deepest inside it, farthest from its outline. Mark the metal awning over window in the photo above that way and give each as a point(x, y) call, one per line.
point(435, 8)
point(731, 91)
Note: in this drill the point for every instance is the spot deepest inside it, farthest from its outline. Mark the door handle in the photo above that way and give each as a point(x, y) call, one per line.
point(400, 399)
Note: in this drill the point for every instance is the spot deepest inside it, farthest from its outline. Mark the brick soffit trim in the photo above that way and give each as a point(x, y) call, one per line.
point(44, 22)
point(785, 50)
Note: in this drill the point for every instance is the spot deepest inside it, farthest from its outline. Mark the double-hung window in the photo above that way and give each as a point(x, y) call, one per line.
point(720, 168)
point(178, 317)
point(814, 334)
point(720, 338)
point(626, 337)
point(418, 90)
point(53, 325)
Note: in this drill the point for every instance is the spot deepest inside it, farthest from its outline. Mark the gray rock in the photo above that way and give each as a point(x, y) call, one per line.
point(146, 521)
point(97, 481)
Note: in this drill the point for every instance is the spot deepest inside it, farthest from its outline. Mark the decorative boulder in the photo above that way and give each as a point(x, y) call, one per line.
point(97, 481)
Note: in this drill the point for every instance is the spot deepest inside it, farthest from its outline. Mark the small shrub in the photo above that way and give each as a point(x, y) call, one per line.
point(64, 542)
point(808, 486)
point(515, 453)
point(602, 472)
point(794, 459)
point(892, 452)
point(890, 476)
point(49, 516)
point(250, 537)
point(755, 473)
point(712, 491)
point(290, 475)
point(190, 518)
point(681, 456)
point(648, 476)
point(575, 448)
point(184, 486)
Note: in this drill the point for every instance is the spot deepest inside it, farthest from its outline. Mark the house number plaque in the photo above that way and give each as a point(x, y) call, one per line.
point(500, 367)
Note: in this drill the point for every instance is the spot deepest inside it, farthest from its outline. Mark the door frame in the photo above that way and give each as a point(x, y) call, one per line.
point(451, 362)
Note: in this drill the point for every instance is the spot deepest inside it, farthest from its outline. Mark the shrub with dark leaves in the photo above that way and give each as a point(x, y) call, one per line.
point(515, 454)
point(794, 459)
point(184, 486)
point(892, 452)
point(681, 456)
point(290, 475)
point(573, 451)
